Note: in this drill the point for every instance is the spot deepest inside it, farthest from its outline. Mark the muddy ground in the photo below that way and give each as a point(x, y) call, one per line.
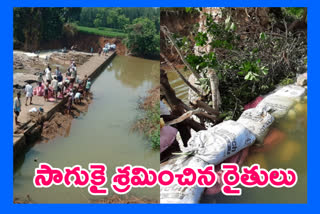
point(180, 23)
point(60, 123)
point(115, 199)
point(26, 66)
point(80, 41)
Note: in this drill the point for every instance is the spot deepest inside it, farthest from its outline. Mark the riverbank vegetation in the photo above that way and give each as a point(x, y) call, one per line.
point(138, 26)
point(143, 38)
point(33, 26)
point(148, 123)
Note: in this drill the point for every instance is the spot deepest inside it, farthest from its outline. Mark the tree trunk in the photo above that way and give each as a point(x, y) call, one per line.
point(180, 75)
point(214, 84)
point(166, 32)
point(178, 108)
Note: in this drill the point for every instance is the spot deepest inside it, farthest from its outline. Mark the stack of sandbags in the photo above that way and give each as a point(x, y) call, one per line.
point(175, 193)
point(293, 92)
point(219, 142)
point(280, 102)
point(211, 146)
point(257, 121)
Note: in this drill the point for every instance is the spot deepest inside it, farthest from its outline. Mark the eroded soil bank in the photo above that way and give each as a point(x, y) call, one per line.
point(27, 65)
point(60, 123)
point(80, 42)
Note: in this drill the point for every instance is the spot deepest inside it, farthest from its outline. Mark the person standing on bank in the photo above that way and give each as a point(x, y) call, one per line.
point(40, 79)
point(29, 93)
point(88, 86)
point(46, 90)
point(54, 85)
point(58, 74)
point(48, 74)
point(17, 108)
point(73, 73)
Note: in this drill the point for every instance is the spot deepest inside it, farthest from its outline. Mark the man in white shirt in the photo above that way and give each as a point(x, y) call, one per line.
point(77, 98)
point(54, 85)
point(29, 92)
point(48, 74)
point(73, 74)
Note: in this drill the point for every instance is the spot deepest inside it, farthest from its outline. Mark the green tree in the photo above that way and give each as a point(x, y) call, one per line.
point(142, 38)
point(51, 23)
point(122, 22)
point(71, 14)
point(112, 18)
point(98, 20)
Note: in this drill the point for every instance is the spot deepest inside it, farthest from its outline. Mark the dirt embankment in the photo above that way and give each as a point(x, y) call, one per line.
point(31, 63)
point(26, 66)
point(114, 199)
point(82, 42)
point(60, 123)
point(180, 23)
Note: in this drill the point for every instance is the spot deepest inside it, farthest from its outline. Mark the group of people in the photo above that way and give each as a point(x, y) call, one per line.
point(54, 87)
point(108, 47)
point(76, 93)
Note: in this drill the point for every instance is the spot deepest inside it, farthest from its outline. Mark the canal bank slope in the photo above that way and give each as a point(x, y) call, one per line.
point(29, 131)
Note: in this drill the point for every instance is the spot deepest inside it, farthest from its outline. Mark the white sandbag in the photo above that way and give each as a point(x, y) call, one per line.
point(220, 142)
point(291, 91)
point(277, 106)
point(178, 194)
point(257, 121)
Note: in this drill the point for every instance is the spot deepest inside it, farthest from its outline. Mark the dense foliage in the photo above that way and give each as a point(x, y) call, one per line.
point(140, 26)
point(42, 24)
point(117, 17)
point(148, 123)
point(248, 62)
point(143, 38)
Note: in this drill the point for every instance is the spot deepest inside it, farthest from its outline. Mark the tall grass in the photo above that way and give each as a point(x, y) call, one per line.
point(148, 123)
point(102, 31)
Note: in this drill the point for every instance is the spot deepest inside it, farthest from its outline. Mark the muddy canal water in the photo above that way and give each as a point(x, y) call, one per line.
point(178, 85)
point(289, 152)
point(102, 135)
